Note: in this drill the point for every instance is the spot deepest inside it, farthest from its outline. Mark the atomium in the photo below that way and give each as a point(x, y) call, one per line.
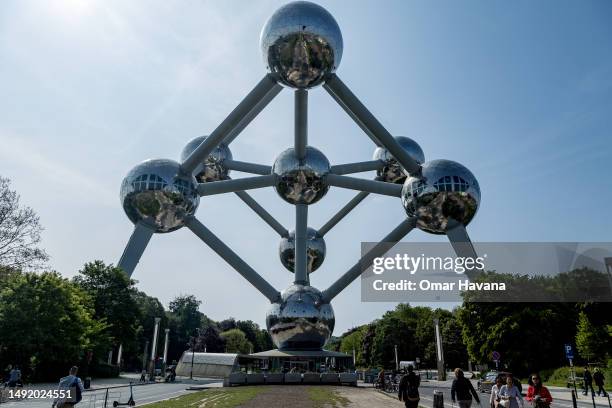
point(392, 172)
point(302, 320)
point(315, 248)
point(211, 168)
point(158, 194)
point(446, 190)
point(301, 43)
point(302, 47)
point(301, 181)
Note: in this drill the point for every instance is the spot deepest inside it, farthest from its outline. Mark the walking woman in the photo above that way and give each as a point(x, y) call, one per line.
point(462, 390)
point(510, 396)
point(538, 394)
point(495, 389)
point(409, 389)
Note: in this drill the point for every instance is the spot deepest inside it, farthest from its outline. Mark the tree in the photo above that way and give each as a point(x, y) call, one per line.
point(149, 308)
point(46, 324)
point(236, 342)
point(112, 293)
point(184, 319)
point(590, 340)
point(210, 341)
point(19, 232)
point(353, 341)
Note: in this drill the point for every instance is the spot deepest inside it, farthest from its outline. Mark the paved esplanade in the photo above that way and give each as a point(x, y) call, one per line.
point(302, 48)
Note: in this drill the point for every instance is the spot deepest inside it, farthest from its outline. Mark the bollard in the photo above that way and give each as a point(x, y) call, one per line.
point(574, 402)
point(438, 399)
point(593, 398)
point(106, 398)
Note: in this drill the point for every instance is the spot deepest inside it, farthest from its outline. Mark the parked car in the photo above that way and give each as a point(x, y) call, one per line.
point(485, 384)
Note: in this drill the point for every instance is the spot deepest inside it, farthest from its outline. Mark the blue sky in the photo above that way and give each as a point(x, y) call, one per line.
point(520, 93)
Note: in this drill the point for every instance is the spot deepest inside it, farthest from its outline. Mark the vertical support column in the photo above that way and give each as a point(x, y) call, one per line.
point(154, 347)
point(301, 256)
point(301, 123)
point(166, 346)
point(119, 355)
point(439, 351)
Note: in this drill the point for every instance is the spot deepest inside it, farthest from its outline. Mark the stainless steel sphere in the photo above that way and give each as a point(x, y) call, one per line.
point(301, 320)
point(393, 172)
point(446, 190)
point(211, 168)
point(315, 250)
point(159, 194)
point(301, 43)
point(301, 181)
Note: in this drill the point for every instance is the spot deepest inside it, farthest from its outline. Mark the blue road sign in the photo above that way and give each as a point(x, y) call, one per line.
point(569, 352)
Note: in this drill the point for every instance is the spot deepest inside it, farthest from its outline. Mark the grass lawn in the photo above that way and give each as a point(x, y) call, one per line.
point(326, 396)
point(218, 398)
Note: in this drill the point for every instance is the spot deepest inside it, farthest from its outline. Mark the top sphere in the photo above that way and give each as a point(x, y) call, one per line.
point(393, 172)
point(157, 193)
point(445, 190)
point(211, 168)
point(301, 43)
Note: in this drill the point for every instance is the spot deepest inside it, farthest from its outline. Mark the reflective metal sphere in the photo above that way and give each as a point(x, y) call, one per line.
point(158, 193)
point(303, 181)
point(301, 320)
point(393, 172)
point(301, 43)
point(315, 250)
point(446, 190)
point(212, 168)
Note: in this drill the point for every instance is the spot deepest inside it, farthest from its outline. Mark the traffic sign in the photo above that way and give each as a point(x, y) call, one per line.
point(496, 356)
point(569, 352)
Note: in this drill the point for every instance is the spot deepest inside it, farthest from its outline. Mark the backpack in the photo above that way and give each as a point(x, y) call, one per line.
point(78, 395)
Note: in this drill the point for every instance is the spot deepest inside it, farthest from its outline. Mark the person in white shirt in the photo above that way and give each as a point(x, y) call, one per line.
point(495, 389)
point(510, 393)
point(72, 388)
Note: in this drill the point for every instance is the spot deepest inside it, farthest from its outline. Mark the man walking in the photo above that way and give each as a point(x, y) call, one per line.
point(70, 390)
point(599, 381)
point(588, 381)
point(409, 389)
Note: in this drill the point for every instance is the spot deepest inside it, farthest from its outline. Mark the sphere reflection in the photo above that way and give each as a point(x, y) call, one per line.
point(301, 181)
point(446, 190)
point(393, 172)
point(301, 43)
point(315, 250)
point(159, 194)
point(301, 320)
point(211, 168)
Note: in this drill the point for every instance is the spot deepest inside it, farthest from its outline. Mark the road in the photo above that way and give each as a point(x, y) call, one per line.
point(561, 397)
point(142, 394)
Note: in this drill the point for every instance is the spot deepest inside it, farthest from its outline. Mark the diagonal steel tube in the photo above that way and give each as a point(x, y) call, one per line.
point(370, 186)
point(357, 167)
point(462, 245)
point(265, 215)
point(232, 258)
point(301, 123)
point(343, 212)
point(233, 185)
point(366, 121)
point(301, 256)
point(379, 250)
point(247, 167)
point(135, 248)
point(248, 118)
point(238, 117)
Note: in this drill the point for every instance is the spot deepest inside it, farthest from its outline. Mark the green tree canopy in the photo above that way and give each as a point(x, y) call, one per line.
point(236, 341)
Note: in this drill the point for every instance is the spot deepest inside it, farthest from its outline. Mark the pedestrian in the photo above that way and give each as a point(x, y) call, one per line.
point(380, 381)
point(510, 396)
point(599, 378)
point(495, 397)
point(409, 389)
point(588, 381)
point(143, 376)
point(14, 377)
point(462, 390)
point(537, 393)
point(70, 390)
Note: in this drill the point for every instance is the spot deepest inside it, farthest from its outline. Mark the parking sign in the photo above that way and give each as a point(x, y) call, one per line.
point(569, 352)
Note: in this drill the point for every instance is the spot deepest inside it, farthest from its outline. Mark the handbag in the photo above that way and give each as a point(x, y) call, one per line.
point(505, 403)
